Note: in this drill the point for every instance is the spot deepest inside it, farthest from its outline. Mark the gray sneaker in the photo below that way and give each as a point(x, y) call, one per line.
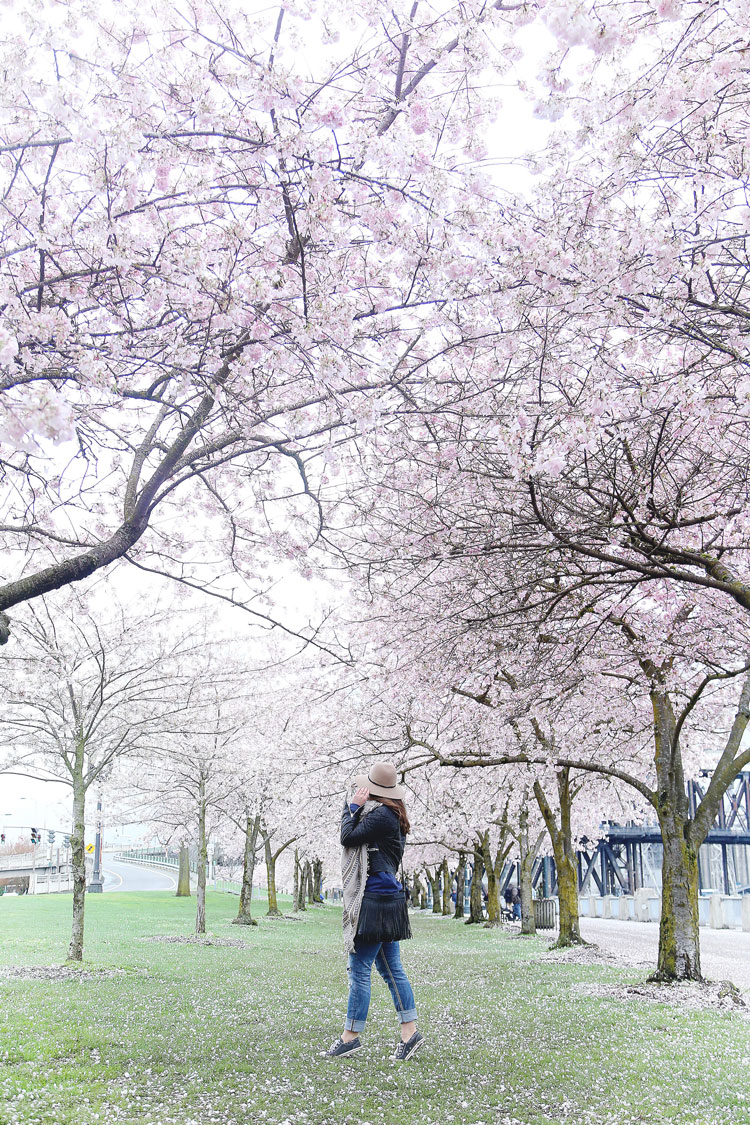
point(340, 1049)
point(405, 1050)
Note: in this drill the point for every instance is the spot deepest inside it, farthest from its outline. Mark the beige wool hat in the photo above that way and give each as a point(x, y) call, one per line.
point(381, 781)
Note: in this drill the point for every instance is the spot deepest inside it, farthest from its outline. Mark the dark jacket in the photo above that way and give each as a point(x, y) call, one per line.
point(382, 917)
point(381, 831)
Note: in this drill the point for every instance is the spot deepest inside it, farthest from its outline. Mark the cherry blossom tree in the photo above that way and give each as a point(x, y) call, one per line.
point(82, 694)
point(190, 786)
point(219, 253)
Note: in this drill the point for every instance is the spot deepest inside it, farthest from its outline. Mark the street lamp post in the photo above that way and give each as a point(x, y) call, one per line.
point(95, 886)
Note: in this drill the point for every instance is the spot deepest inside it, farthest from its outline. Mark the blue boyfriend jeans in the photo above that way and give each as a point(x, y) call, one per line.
point(387, 959)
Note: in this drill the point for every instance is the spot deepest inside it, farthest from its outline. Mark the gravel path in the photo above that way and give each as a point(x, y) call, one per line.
point(725, 954)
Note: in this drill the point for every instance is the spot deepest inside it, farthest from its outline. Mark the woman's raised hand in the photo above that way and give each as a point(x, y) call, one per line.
point(360, 796)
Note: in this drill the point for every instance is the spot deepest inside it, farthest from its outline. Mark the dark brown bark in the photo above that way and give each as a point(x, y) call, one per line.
point(139, 500)
point(317, 873)
point(447, 880)
point(244, 913)
point(460, 885)
point(494, 867)
point(476, 907)
point(434, 881)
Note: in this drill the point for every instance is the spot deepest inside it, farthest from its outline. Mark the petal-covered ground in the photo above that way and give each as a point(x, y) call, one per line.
point(192, 1034)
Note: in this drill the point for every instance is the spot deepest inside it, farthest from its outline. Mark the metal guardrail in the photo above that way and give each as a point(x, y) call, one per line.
point(147, 862)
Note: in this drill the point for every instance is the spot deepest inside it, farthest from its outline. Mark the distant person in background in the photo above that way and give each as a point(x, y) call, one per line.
point(515, 900)
point(374, 825)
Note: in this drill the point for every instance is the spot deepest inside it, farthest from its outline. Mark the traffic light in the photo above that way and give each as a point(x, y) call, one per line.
point(2, 837)
point(51, 836)
point(66, 841)
point(36, 837)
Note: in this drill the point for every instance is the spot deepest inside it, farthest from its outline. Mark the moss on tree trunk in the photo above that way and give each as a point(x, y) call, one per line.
point(183, 875)
point(566, 860)
point(679, 934)
point(273, 906)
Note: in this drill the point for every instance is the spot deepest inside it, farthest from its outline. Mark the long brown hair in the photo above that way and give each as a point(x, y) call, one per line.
point(398, 807)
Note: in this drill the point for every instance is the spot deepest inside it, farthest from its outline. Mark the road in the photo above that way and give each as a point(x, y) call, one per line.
point(129, 877)
point(725, 954)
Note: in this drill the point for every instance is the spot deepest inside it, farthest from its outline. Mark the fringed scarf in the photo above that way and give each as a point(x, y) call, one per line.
point(354, 877)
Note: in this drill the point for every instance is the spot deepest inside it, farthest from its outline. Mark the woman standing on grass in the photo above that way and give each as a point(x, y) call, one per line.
point(374, 826)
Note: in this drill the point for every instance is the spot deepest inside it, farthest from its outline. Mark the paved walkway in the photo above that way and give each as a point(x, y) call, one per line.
point(725, 954)
point(129, 877)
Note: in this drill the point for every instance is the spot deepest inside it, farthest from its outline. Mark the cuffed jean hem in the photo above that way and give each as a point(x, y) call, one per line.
point(359, 1025)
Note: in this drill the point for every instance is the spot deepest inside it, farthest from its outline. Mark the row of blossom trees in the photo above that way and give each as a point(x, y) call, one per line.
point(258, 307)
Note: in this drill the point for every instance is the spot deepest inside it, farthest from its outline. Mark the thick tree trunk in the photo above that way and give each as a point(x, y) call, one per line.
point(299, 883)
point(78, 854)
point(528, 854)
point(244, 914)
point(308, 878)
point(565, 858)
point(493, 892)
point(494, 867)
point(317, 870)
point(567, 890)
point(476, 909)
point(528, 918)
point(200, 912)
point(417, 889)
point(183, 876)
point(273, 906)
point(460, 886)
point(434, 881)
point(447, 884)
point(679, 935)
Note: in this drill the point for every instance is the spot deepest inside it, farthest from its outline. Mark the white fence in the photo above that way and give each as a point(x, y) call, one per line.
point(719, 912)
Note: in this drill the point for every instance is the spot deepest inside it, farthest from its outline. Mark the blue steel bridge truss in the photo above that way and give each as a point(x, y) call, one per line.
point(615, 865)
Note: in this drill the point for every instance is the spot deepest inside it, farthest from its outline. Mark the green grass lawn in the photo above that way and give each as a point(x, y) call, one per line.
point(186, 1035)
